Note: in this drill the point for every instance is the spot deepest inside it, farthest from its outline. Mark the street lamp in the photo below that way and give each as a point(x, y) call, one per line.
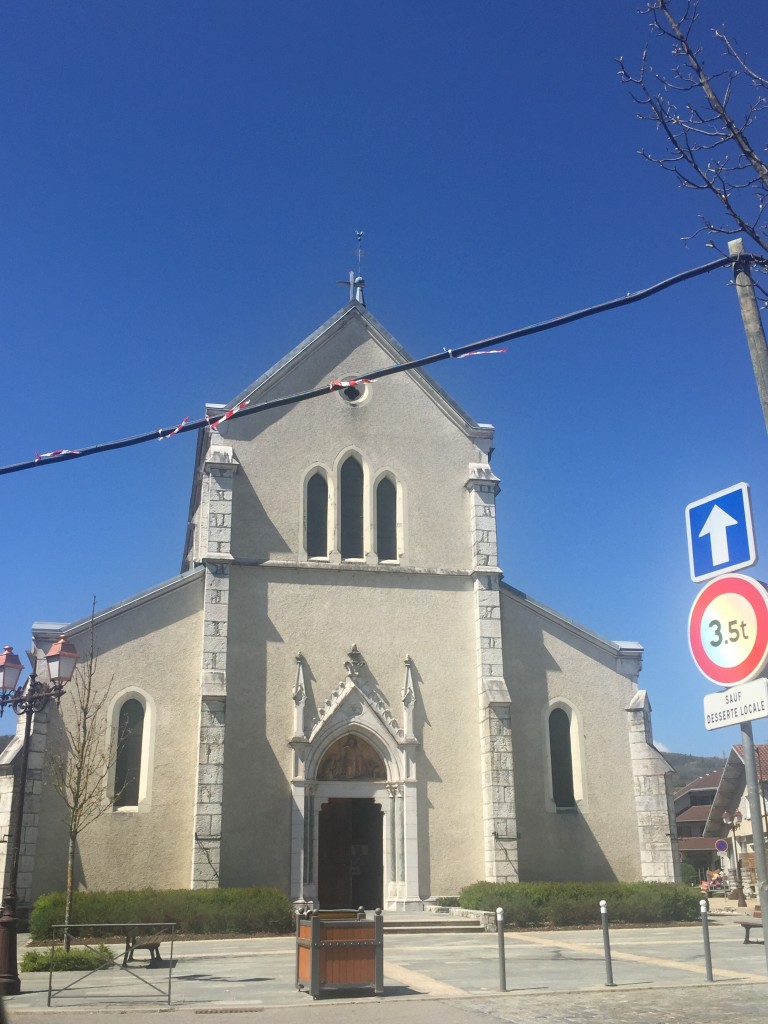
point(25, 700)
point(732, 825)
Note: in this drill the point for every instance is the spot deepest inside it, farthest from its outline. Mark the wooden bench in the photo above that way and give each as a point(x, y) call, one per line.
point(135, 940)
point(748, 923)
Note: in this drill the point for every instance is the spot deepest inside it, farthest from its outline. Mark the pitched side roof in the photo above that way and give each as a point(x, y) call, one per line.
point(709, 781)
point(697, 812)
point(627, 648)
point(761, 757)
point(685, 843)
point(733, 783)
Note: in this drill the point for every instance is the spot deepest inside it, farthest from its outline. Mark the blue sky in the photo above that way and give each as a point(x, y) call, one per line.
point(181, 185)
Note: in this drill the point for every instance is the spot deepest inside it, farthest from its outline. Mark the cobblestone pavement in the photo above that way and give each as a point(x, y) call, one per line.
point(719, 1003)
point(551, 978)
point(711, 1004)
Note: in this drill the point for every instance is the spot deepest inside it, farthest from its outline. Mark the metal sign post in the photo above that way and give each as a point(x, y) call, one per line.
point(756, 814)
point(728, 635)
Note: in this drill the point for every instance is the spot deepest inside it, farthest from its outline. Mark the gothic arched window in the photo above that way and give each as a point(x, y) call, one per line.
point(351, 520)
point(561, 759)
point(386, 520)
point(317, 516)
point(130, 735)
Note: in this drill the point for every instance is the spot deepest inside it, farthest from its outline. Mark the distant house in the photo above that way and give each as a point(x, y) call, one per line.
point(693, 810)
point(731, 795)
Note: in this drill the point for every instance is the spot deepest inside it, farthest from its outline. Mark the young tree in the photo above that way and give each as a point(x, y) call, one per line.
point(80, 775)
point(708, 103)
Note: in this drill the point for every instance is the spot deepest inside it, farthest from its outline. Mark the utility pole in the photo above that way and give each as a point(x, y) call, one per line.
point(753, 327)
point(758, 838)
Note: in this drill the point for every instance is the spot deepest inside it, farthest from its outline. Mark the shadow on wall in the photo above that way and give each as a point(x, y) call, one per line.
point(255, 819)
point(254, 535)
point(581, 858)
point(148, 619)
point(561, 845)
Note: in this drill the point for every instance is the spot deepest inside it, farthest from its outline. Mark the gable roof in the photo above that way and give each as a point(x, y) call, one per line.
point(276, 374)
point(268, 386)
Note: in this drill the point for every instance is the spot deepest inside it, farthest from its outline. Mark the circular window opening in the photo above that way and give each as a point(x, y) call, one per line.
point(354, 393)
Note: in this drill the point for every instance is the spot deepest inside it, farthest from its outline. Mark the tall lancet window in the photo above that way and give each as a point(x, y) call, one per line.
point(130, 735)
point(317, 516)
point(351, 539)
point(386, 520)
point(561, 758)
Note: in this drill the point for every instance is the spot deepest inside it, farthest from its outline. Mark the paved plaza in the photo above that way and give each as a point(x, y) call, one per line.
point(551, 978)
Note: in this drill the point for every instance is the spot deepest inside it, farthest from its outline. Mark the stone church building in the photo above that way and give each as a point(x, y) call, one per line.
point(339, 695)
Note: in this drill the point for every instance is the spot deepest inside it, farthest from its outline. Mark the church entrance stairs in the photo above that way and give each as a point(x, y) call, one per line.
point(426, 923)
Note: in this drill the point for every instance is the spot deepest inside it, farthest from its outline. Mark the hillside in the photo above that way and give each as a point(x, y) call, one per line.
point(689, 767)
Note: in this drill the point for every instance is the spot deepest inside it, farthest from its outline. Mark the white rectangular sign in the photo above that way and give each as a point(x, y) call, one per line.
point(742, 703)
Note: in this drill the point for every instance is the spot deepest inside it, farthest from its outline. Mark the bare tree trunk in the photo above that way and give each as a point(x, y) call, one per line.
point(70, 888)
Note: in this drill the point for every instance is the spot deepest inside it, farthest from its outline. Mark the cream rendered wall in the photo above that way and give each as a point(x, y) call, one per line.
point(546, 660)
point(275, 612)
point(152, 645)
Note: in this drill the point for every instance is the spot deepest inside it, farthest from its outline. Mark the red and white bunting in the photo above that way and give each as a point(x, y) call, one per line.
point(482, 352)
point(170, 433)
point(347, 383)
point(229, 413)
point(59, 451)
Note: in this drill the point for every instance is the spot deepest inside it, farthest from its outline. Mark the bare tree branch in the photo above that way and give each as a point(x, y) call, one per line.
point(80, 775)
point(709, 117)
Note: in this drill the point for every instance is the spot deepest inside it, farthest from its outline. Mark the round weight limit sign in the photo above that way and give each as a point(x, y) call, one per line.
point(728, 629)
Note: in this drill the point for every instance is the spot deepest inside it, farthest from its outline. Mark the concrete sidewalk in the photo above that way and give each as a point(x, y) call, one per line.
point(242, 975)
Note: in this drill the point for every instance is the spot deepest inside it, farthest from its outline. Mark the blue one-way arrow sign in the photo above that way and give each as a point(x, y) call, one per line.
point(720, 534)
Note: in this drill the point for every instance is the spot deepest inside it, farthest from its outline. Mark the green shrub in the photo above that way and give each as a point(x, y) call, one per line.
point(77, 959)
point(195, 911)
point(567, 904)
point(689, 874)
point(565, 912)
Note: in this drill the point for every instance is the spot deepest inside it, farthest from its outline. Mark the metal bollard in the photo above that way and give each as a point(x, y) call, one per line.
point(705, 931)
point(502, 957)
point(606, 945)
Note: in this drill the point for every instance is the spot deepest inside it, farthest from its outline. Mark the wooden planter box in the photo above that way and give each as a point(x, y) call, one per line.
point(334, 952)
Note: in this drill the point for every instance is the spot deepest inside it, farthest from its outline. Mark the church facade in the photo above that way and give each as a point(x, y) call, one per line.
point(339, 696)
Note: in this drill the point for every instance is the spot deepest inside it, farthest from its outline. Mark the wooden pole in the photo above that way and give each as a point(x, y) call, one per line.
point(753, 327)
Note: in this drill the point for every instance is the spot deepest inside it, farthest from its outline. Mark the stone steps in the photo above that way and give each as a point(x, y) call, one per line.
point(432, 924)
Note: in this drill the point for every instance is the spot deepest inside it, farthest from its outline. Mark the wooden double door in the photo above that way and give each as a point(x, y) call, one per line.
point(350, 853)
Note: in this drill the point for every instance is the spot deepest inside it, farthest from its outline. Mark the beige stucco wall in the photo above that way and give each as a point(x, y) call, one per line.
point(323, 612)
point(546, 660)
point(153, 646)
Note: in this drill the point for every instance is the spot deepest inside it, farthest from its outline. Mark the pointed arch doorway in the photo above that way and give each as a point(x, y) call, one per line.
point(354, 822)
point(350, 853)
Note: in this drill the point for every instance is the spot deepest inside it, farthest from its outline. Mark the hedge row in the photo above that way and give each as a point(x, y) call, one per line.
point(195, 911)
point(77, 959)
point(578, 903)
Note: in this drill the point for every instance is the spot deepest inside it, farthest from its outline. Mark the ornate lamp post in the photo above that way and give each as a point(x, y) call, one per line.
point(732, 825)
point(25, 700)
